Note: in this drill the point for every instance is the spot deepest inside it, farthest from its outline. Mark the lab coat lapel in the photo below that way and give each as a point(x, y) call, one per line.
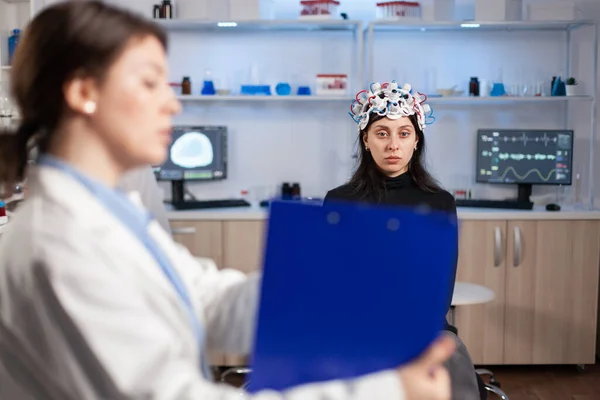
point(127, 253)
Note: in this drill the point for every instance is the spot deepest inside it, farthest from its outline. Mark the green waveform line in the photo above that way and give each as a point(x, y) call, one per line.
point(531, 171)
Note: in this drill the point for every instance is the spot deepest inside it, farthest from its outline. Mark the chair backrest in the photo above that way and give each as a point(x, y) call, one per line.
point(19, 367)
point(100, 381)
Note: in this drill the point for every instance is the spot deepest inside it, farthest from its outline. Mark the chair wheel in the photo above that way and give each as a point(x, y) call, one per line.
point(581, 367)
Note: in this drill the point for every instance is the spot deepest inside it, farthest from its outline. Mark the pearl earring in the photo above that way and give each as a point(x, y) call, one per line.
point(89, 107)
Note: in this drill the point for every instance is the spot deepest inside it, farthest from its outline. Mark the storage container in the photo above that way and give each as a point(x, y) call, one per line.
point(332, 85)
point(319, 9)
point(498, 10)
point(398, 9)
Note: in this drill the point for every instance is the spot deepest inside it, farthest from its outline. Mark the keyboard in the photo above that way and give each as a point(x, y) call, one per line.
point(505, 204)
point(204, 204)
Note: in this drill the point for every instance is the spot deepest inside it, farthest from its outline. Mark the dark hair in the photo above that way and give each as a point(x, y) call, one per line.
point(369, 182)
point(66, 40)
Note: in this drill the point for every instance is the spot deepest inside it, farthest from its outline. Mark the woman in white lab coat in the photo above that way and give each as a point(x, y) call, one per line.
point(96, 300)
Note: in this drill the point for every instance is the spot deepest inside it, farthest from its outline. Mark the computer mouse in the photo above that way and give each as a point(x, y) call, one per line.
point(552, 207)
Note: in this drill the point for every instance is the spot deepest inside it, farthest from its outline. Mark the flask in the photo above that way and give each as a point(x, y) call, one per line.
point(186, 85)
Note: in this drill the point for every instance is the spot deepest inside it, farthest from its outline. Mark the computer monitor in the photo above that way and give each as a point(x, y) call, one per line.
point(196, 153)
point(524, 157)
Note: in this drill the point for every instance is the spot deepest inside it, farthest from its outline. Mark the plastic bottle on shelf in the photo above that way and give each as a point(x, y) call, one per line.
point(13, 41)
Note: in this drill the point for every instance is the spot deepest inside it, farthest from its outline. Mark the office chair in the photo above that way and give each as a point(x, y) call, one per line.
point(244, 371)
point(492, 386)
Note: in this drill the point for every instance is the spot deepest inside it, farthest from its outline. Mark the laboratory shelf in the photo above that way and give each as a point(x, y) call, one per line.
point(259, 98)
point(506, 99)
point(412, 25)
point(260, 25)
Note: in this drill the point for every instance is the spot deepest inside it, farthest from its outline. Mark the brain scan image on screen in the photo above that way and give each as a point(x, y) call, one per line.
point(192, 150)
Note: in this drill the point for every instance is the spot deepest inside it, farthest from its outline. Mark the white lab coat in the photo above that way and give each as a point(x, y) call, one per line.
point(125, 309)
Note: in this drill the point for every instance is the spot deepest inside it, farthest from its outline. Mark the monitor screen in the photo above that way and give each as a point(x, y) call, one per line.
point(195, 153)
point(525, 156)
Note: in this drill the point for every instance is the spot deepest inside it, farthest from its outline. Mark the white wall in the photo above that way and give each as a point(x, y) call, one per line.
point(313, 143)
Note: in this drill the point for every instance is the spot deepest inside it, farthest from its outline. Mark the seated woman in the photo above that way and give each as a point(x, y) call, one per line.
point(391, 171)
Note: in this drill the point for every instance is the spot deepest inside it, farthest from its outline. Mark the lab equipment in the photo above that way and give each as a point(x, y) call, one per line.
point(196, 153)
point(318, 8)
point(208, 88)
point(186, 85)
point(332, 84)
point(304, 91)
point(389, 100)
point(524, 157)
point(283, 89)
point(474, 87)
point(327, 313)
point(398, 9)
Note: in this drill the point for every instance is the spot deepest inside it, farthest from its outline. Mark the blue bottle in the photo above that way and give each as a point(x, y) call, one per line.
point(13, 41)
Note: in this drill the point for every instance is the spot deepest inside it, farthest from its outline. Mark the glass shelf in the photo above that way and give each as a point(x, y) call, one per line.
point(249, 98)
point(506, 99)
point(259, 25)
point(432, 100)
point(412, 25)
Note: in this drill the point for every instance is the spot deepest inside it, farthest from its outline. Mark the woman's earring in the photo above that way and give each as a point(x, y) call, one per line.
point(367, 148)
point(89, 107)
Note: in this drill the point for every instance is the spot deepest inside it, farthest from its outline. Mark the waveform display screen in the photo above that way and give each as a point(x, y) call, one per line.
point(525, 156)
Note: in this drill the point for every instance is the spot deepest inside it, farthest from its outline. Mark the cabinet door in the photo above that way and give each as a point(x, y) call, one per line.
point(482, 261)
point(202, 238)
point(552, 285)
point(243, 243)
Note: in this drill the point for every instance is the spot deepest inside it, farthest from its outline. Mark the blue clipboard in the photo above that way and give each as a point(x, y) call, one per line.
point(349, 290)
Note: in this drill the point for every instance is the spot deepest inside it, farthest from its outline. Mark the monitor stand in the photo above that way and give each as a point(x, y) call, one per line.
point(177, 192)
point(524, 192)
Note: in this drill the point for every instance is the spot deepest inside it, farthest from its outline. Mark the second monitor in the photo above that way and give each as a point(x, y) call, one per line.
point(525, 158)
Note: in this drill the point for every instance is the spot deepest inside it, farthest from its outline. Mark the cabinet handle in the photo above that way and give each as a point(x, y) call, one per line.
point(518, 247)
point(497, 246)
point(188, 230)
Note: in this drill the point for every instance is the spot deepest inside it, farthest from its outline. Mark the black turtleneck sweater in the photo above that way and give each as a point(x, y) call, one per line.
point(402, 191)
